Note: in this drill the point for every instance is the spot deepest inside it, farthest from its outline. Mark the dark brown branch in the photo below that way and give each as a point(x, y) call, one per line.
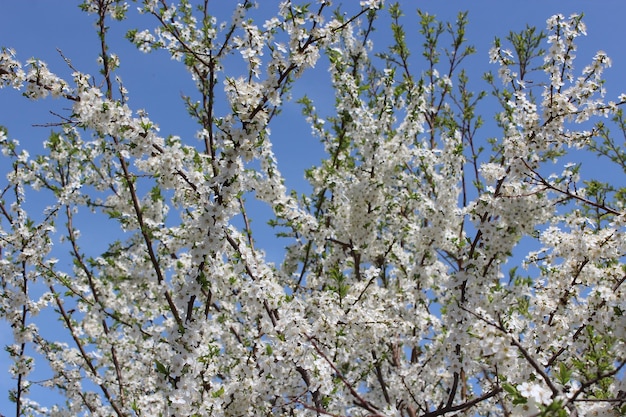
point(359, 400)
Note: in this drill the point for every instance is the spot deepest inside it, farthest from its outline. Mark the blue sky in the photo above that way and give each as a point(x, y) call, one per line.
point(36, 28)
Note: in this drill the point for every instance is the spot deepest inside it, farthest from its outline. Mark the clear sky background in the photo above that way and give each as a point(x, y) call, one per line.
point(37, 28)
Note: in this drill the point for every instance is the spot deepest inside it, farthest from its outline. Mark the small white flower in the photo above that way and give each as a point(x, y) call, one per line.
point(535, 392)
point(371, 4)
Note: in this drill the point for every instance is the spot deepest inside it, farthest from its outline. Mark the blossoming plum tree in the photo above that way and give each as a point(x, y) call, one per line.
point(394, 297)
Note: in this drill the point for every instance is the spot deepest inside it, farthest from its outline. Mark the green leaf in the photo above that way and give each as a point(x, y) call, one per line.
point(218, 393)
point(161, 368)
point(510, 389)
point(564, 374)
